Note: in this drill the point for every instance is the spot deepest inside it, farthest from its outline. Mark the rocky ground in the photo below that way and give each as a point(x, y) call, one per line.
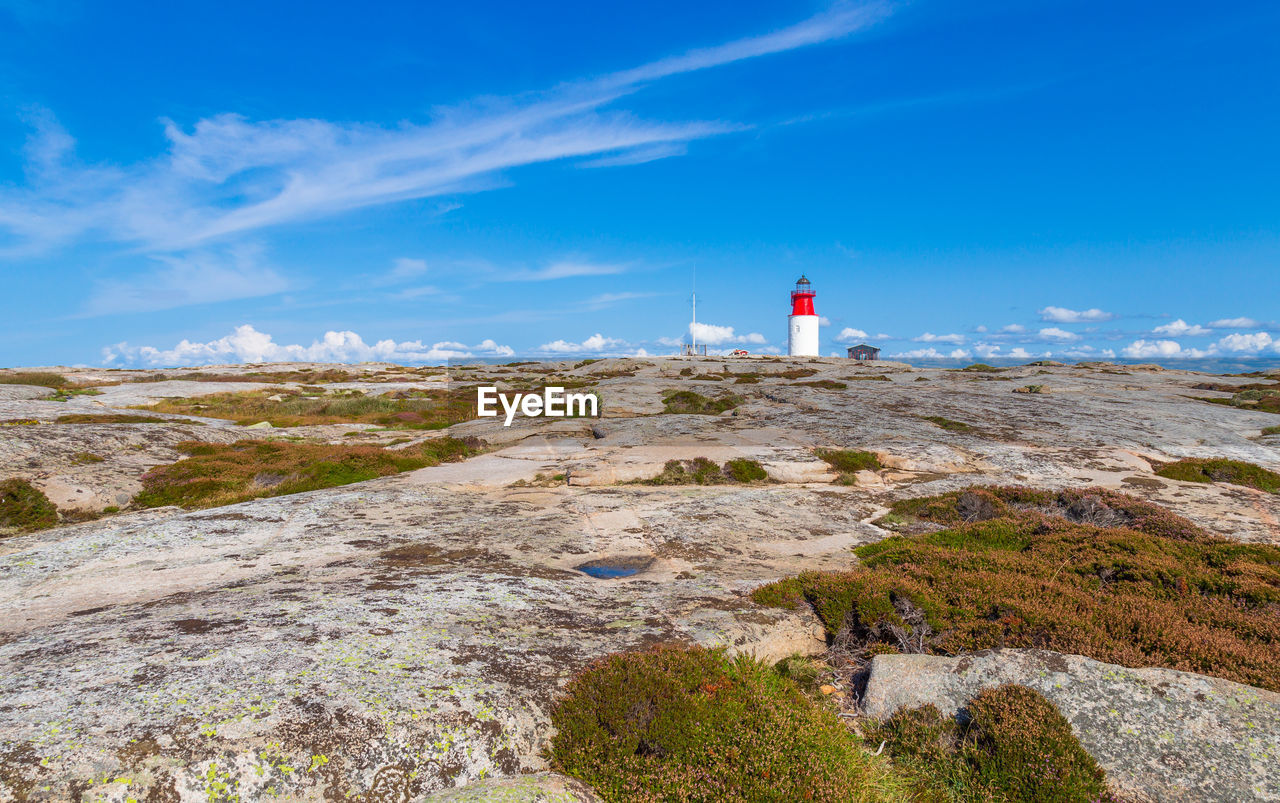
point(401, 637)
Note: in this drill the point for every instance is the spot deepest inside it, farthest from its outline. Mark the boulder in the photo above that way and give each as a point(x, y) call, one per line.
point(1160, 734)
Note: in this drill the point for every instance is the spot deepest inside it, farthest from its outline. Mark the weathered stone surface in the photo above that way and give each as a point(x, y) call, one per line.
point(409, 634)
point(542, 787)
point(1161, 735)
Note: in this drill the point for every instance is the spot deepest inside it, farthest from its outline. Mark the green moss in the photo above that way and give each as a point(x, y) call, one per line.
point(1232, 472)
point(85, 458)
point(24, 508)
point(1092, 573)
point(691, 724)
point(679, 402)
point(1271, 430)
point(982, 368)
point(1014, 745)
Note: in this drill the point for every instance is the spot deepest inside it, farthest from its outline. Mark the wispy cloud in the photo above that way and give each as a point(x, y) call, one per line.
point(560, 270)
point(226, 175)
point(201, 277)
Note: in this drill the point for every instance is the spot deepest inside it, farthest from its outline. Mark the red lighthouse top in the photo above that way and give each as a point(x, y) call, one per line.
point(802, 298)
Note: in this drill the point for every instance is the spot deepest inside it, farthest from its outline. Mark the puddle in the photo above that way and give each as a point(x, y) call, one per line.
point(615, 566)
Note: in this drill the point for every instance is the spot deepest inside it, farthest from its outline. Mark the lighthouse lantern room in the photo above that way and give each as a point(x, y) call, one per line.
point(802, 330)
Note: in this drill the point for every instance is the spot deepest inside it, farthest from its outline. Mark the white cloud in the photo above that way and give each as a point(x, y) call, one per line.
point(227, 174)
point(713, 335)
point(1064, 315)
point(1234, 323)
point(1248, 344)
point(1019, 353)
point(932, 354)
point(824, 321)
point(197, 278)
point(595, 343)
point(930, 337)
point(851, 335)
point(1060, 335)
point(248, 345)
point(1180, 328)
point(980, 329)
point(1140, 349)
point(1013, 328)
point(669, 341)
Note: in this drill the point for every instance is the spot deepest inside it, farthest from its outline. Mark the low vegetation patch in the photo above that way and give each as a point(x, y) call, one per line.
point(865, 378)
point(31, 422)
point(1271, 430)
point(1031, 389)
point(86, 458)
point(686, 402)
point(222, 474)
point(44, 379)
point(284, 407)
point(701, 471)
point(1014, 746)
point(948, 424)
point(824, 384)
point(1260, 396)
point(981, 368)
point(693, 725)
point(1090, 572)
point(24, 508)
point(848, 462)
point(1232, 472)
point(116, 418)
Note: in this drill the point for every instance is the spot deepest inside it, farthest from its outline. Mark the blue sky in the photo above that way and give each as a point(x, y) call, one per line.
point(184, 183)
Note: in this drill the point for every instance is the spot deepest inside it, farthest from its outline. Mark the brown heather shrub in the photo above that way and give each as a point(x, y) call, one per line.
point(223, 474)
point(1094, 573)
point(823, 384)
point(1013, 746)
point(117, 418)
point(692, 725)
point(1233, 472)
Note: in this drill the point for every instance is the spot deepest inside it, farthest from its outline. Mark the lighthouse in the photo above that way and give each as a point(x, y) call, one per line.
point(802, 330)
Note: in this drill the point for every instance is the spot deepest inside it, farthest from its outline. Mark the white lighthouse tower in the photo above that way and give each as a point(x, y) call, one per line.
point(802, 329)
